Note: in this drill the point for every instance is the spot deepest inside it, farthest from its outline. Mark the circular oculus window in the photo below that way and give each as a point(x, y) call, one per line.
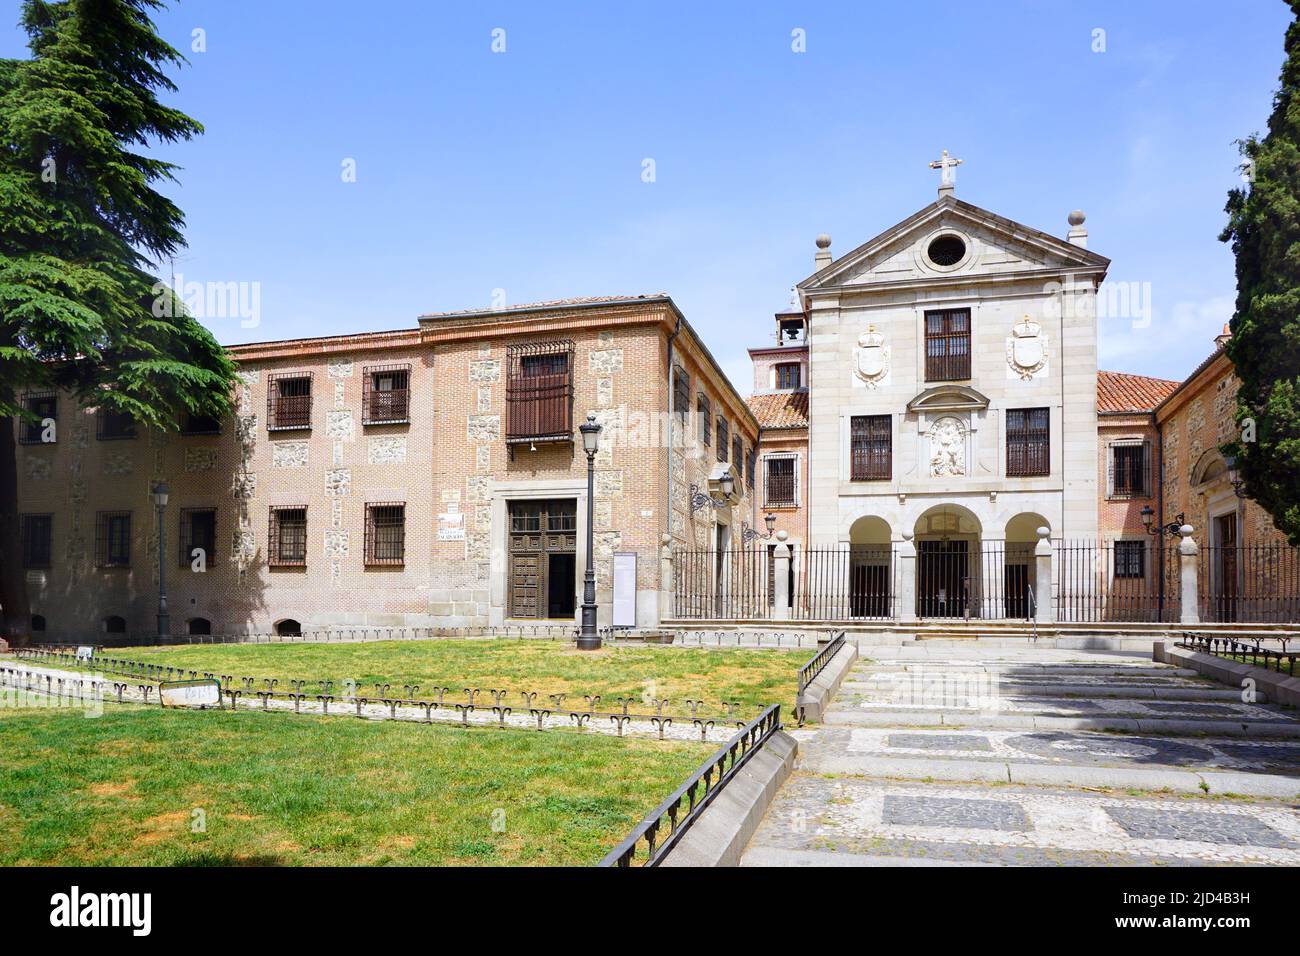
point(946, 250)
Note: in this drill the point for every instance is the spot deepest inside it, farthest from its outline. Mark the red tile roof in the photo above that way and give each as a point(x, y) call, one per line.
point(781, 410)
point(549, 304)
point(1122, 392)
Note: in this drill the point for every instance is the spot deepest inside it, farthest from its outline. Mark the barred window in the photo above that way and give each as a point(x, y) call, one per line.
point(723, 432)
point(43, 405)
point(113, 539)
point(1130, 469)
point(539, 391)
point(706, 420)
point(752, 463)
point(288, 401)
point(780, 481)
point(681, 394)
point(1130, 559)
point(872, 447)
point(36, 533)
point(738, 456)
point(385, 394)
point(287, 547)
point(386, 533)
point(112, 425)
point(1028, 442)
point(787, 375)
point(198, 530)
point(947, 345)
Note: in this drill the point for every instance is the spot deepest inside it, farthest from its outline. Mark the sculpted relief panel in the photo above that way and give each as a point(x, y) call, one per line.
point(947, 448)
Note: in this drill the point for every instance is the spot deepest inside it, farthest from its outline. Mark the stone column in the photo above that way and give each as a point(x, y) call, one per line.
point(781, 578)
point(666, 608)
point(905, 609)
point(1043, 610)
point(1188, 568)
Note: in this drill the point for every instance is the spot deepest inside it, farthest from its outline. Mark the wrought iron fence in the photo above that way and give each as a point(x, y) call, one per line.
point(1121, 581)
point(1245, 651)
point(722, 584)
point(683, 808)
point(1249, 583)
point(852, 582)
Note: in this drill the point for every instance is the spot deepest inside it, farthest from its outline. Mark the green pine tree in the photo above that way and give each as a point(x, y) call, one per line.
point(1264, 229)
point(81, 228)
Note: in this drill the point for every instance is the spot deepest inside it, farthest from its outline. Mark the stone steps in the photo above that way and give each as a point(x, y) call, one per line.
point(885, 688)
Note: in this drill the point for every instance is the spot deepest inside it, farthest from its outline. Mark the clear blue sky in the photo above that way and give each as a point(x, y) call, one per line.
point(522, 170)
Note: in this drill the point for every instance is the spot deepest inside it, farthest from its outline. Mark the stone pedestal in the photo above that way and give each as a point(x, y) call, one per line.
point(1188, 569)
point(1044, 612)
point(781, 578)
point(905, 609)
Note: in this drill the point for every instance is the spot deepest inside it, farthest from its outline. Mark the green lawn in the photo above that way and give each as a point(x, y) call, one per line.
point(122, 789)
point(755, 678)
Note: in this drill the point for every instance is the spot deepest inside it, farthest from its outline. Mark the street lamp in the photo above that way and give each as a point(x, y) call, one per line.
point(748, 534)
point(1160, 530)
point(160, 492)
point(588, 638)
point(1238, 485)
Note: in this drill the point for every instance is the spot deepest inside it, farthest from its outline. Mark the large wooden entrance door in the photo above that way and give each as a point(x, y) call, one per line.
point(942, 578)
point(543, 545)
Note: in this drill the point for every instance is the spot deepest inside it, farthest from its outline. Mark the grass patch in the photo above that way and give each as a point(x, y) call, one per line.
point(123, 790)
point(754, 678)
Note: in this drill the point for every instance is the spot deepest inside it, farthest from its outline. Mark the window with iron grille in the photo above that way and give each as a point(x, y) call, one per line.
point(539, 391)
point(787, 375)
point(113, 539)
point(1130, 559)
point(198, 530)
point(947, 345)
point(872, 448)
point(1130, 469)
point(751, 467)
point(738, 456)
point(36, 534)
point(681, 394)
point(386, 533)
point(200, 425)
point(288, 401)
point(287, 541)
point(780, 481)
point(43, 405)
point(111, 425)
point(723, 434)
point(1028, 442)
point(385, 394)
point(706, 420)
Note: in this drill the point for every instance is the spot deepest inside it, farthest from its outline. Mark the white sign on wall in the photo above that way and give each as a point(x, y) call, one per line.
point(625, 589)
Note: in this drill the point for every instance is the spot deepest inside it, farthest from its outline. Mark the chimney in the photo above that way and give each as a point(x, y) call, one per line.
point(823, 257)
point(1078, 235)
point(1221, 339)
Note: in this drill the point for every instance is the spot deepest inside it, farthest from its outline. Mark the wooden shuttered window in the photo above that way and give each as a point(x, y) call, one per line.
point(386, 394)
point(1028, 442)
point(681, 394)
point(1129, 469)
point(724, 436)
point(287, 541)
point(113, 539)
point(947, 345)
point(751, 464)
point(386, 534)
point(738, 456)
point(539, 391)
point(288, 401)
point(706, 420)
point(780, 481)
point(872, 456)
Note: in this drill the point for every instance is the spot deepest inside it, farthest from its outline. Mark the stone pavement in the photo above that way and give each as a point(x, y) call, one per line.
point(950, 753)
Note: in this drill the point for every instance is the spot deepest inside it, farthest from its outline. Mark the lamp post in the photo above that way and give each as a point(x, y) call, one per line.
point(160, 493)
point(588, 638)
point(1160, 531)
point(748, 534)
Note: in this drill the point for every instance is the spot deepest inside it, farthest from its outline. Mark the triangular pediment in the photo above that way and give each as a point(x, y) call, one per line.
point(949, 398)
point(992, 246)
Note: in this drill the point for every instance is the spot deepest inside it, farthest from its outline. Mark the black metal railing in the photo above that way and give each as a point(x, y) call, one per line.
point(683, 808)
point(1244, 651)
point(1117, 581)
point(1257, 583)
point(816, 664)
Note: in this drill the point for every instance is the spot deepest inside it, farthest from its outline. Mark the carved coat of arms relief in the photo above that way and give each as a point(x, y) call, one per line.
point(872, 361)
point(1026, 349)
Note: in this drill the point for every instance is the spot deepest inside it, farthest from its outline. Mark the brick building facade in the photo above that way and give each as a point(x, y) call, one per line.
point(425, 477)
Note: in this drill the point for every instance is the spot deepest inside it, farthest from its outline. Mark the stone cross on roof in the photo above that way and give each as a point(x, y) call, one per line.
point(947, 166)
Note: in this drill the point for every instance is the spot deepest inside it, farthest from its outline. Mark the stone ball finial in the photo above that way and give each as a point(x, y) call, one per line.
point(823, 241)
point(1044, 532)
point(1077, 217)
point(782, 535)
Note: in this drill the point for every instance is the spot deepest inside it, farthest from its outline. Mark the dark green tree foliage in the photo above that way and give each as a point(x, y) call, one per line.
point(1264, 229)
point(81, 227)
